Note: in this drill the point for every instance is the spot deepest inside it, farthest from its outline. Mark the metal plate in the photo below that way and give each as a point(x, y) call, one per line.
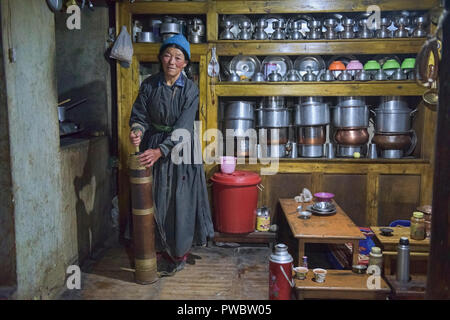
point(316, 63)
point(245, 65)
point(284, 63)
point(328, 213)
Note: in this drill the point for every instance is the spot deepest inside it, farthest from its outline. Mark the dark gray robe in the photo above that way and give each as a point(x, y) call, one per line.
point(182, 212)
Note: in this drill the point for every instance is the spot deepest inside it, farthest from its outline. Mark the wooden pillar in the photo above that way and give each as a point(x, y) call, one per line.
point(438, 281)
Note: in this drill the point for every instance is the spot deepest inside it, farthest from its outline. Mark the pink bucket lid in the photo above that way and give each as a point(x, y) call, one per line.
point(354, 65)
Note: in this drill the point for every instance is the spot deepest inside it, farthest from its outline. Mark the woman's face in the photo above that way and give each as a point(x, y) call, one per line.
point(173, 62)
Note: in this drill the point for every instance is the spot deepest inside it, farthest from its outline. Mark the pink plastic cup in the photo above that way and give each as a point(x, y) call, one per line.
point(227, 164)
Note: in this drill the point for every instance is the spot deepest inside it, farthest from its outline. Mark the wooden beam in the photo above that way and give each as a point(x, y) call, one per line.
point(438, 281)
point(319, 47)
point(335, 88)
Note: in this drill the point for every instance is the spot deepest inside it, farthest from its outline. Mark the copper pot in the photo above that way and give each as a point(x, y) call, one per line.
point(312, 135)
point(275, 135)
point(352, 137)
point(392, 141)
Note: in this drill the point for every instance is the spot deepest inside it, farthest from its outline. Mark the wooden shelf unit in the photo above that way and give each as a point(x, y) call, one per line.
point(379, 181)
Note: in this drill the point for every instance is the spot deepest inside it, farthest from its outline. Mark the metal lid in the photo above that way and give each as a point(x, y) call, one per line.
point(281, 254)
point(404, 241)
point(237, 178)
point(375, 250)
point(418, 215)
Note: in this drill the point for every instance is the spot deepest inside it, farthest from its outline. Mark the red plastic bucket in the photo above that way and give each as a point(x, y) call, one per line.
point(235, 198)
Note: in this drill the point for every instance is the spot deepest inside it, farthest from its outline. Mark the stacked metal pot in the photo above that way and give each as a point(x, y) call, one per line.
point(311, 118)
point(350, 119)
point(274, 116)
point(239, 116)
point(393, 122)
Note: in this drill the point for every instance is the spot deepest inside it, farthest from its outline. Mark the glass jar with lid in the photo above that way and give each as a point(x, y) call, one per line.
point(417, 226)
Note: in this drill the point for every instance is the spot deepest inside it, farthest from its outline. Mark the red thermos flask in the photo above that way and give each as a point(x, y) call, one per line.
point(280, 274)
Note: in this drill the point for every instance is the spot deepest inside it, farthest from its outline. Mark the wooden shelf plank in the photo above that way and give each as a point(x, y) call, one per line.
point(165, 7)
point(331, 47)
point(335, 88)
point(293, 6)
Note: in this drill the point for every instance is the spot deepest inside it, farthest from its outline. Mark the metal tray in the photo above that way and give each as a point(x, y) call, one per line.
point(284, 63)
point(319, 213)
point(316, 63)
point(245, 65)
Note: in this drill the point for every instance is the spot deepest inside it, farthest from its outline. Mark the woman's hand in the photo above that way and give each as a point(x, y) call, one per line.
point(149, 157)
point(135, 137)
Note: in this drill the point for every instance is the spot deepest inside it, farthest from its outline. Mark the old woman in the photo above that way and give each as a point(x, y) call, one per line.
point(168, 101)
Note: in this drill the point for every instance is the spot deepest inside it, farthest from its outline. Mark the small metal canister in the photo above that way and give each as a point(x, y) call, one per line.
point(263, 219)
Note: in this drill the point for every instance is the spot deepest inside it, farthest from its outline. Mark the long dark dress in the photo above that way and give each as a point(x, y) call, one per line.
point(182, 212)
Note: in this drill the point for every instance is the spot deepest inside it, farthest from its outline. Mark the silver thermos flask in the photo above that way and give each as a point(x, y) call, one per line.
point(403, 260)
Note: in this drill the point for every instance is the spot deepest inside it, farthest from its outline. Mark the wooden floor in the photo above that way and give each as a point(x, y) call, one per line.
point(219, 273)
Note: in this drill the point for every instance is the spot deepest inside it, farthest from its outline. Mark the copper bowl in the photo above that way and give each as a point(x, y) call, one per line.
point(392, 141)
point(351, 137)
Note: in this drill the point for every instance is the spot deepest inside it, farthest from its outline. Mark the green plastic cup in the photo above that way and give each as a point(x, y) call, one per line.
point(372, 65)
point(409, 63)
point(391, 64)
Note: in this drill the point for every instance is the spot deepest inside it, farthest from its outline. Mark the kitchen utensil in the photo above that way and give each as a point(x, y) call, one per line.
point(359, 268)
point(331, 33)
point(396, 120)
point(315, 63)
point(351, 137)
point(245, 33)
point(354, 66)
point(284, 63)
point(324, 197)
point(421, 23)
point(312, 135)
point(384, 32)
point(309, 75)
point(372, 153)
point(279, 30)
point(345, 76)
point(353, 116)
point(259, 33)
point(312, 114)
point(310, 150)
point(227, 34)
point(336, 67)
point(234, 77)
point(329, 150)
point(292, 75)
point(348, 32)
point(275, 76)
point(387, 232)
point(372, 65)
point(294, 32)
point(401, 23)
point(227, 164)
point(258, 77)
point(327, 76)
point(245, 66)
point(62, 109)
point(320, 213)
point(273, 118)
point(364, 31)
point(315, 27)
point(213, 66)
point(145, 37)
point(349, 151)
point(380, 75)
point(236, 21)
point(390, 66)
point(362, 75)
point(399, 74)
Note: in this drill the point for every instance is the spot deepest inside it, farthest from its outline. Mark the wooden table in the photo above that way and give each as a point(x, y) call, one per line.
point(337, 228)
point(411, 290)
point(419, 249)
point(340, 284)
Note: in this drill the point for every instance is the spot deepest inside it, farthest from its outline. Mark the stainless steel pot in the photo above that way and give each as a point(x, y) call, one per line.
point(274, 102)
point(170, 27)
point(145, 37)
point(312, 135)
point(273, 135)
point(236, 110)
point(393, 120)
point(276, 151)
point(310, 151)
point(348, 151)
point(273, 117)
point(240, 126)
point(312, 114)
point(350, 116)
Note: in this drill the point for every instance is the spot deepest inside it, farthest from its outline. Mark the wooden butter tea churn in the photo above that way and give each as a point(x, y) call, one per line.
point(141, 181)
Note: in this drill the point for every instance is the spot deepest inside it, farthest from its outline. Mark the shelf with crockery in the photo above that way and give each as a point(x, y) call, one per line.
point(319, 88)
